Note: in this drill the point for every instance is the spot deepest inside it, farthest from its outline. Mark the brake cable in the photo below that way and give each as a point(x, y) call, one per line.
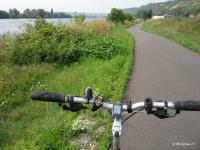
point(131, 115)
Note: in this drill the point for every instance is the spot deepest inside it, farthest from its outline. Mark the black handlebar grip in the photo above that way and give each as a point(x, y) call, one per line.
point(188, 105)
point(48, 97)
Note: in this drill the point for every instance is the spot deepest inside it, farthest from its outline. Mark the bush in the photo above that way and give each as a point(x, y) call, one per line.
point(102, 48)
point(46, 42)
point(63, 44)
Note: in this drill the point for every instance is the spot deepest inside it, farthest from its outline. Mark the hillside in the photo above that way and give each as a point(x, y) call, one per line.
point(175, 7)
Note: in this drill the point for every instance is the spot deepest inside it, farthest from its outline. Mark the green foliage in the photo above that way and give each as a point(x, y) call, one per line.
point(33, 13)
point(35, 125)
point(143, 14)
point(129, 17)
point(5, 41)
point(46, 42)
point(149, 14)
point(189, 25)
point(16, 81)
point(186, 10)
point(184, 31)
point(175, 8)
point(182, 25)
point(27, 13)
point(13, 13)
point(103, 48)
point(61, 44)
point(116, 16)
point(4, 14)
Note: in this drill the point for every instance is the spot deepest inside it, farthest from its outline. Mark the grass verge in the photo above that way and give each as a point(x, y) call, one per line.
point(36, 125)
point(190, 40)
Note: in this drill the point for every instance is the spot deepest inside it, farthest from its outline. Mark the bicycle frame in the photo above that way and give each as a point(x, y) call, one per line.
point(116, 132)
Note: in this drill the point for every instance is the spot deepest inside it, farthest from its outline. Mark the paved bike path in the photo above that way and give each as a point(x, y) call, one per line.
point(162, 70)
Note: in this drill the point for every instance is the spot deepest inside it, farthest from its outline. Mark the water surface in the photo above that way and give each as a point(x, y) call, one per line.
point(17, 25)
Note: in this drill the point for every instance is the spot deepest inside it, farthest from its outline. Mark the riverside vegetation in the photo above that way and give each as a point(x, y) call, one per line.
point(64, 59)
point(185, 31)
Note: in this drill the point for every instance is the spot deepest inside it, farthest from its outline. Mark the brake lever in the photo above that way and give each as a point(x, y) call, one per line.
point(162, 113)
point(97, 103)
point(73, 107)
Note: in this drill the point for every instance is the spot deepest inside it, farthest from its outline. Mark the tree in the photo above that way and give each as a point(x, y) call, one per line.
point(128, 16)
point(149, 14)
point(51, 12)
point(27, 13)
point(41, 13)
point(141, 14)
point(34, 13)
point(116, 16)
point(13, 13)
point(3, 14)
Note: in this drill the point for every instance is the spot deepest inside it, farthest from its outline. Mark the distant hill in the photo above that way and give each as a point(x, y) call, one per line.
point(172, 7)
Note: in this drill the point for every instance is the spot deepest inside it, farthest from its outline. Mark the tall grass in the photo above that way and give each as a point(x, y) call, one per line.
point(35, 125)
point(184, 31)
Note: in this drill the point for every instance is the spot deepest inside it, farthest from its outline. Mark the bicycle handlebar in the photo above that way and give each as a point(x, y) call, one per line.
point(48, 97)
point(60, 98)
point(188, 105)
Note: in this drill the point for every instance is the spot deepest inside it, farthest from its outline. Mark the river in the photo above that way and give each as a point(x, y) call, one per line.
point(17, 25)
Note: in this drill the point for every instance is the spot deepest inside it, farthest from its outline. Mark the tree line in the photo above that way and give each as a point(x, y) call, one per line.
point(144, 14)
point(32, 13)
point(118, 16)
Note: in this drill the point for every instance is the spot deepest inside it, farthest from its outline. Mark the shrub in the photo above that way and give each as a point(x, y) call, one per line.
point(102, 48)
point(63, 44)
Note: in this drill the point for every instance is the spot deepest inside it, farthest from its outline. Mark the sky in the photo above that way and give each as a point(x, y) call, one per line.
point(92, 6)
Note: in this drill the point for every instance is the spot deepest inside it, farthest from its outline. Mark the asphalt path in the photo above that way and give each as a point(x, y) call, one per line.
point(163, 70)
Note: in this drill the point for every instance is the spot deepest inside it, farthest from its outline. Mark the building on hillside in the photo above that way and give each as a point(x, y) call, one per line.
point(191, 16)
point(158, 17)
